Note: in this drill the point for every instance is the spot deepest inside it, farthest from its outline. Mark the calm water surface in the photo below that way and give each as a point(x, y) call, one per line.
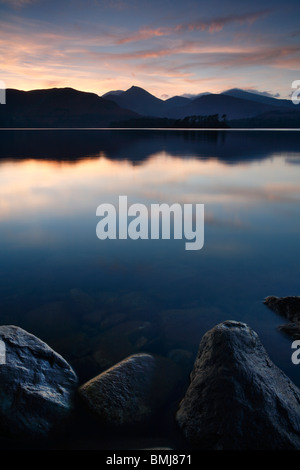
point(97, 302)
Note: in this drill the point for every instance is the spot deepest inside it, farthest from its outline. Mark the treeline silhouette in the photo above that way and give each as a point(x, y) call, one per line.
point(189, 122)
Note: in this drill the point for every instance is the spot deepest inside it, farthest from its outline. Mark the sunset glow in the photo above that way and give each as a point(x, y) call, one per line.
point(165, 47)
point(52, 186)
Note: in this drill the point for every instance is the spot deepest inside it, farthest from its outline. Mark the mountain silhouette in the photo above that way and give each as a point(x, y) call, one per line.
point(176, 101)
point(66, 107)
point(141, 101)
point(113, 92)
point(246, 95)
point(59, 107)
point(138, 100)
point(233, 108)
point(235, 104)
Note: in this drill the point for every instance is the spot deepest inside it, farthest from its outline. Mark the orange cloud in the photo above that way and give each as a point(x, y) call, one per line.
point(143, 34)
point(102, 59)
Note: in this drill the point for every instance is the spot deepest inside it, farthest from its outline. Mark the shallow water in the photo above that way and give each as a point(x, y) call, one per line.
point(97, 301)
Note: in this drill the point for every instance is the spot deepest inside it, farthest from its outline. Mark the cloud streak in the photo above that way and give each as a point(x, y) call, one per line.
point(212, 26)
point(16, 4)
point(217, 24)
point(206, 54)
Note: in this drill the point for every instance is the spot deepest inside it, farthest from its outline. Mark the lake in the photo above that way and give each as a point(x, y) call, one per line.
point(98, 301)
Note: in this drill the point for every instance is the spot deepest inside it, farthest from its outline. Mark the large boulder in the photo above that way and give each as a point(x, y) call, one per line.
point(131, 391)
point(288, 307)
point(238, 399)
point(36, 385)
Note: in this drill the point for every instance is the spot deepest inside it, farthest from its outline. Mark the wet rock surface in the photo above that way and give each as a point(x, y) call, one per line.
point(36, 385)
point(288, 307)
point(238, 399)
point(132, 390)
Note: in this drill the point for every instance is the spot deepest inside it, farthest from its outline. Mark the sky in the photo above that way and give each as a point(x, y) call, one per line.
point(167, 47)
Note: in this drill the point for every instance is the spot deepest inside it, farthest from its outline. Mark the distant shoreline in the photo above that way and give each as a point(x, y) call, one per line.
point(239, 129)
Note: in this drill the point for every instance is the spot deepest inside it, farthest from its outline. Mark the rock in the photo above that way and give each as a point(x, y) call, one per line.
point(36, 385)
point(238, 399)
point(291, 329)
point(132, 390)
point(288, 307)
point(120, 395)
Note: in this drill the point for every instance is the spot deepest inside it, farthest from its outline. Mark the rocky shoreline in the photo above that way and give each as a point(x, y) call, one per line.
point(287, 307)
point(237, 398)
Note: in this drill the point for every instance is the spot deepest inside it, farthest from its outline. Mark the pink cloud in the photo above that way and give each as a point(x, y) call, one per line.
point(211, 25)
point(144, 34)
point(17, 3)
point(99, 60)
point(218, 24)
